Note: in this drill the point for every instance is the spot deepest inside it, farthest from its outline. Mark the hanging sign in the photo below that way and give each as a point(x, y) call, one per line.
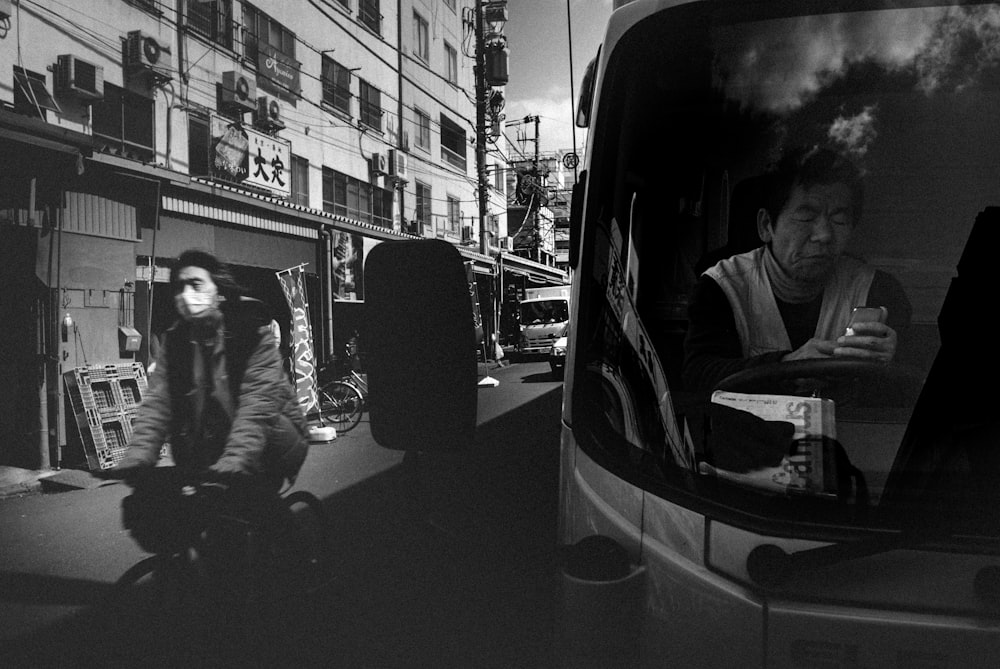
point(303, 360)
point(242, 154)
point(278, 74)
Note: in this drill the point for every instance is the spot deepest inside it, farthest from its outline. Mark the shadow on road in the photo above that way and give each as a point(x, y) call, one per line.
point(445, 561)
point(545, 377)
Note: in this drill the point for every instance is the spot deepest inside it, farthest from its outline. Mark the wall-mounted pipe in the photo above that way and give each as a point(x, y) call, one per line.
point(326, 284)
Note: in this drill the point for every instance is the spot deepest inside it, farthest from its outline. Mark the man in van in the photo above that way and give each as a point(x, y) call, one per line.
point(792, 297)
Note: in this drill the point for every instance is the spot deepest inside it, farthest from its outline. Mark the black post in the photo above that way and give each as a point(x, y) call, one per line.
point(481, 92)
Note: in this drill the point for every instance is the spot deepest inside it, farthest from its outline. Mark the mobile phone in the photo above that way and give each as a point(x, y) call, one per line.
point(866, 315)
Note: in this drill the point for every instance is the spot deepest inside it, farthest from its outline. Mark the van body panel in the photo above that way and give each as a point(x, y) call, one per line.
point(673, 131)
point(811, 635)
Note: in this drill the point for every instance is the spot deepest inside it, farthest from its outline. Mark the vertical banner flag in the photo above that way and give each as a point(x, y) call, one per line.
point(303, 361)
point(477, 319)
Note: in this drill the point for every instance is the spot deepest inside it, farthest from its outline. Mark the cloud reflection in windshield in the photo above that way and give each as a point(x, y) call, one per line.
point(780, 65)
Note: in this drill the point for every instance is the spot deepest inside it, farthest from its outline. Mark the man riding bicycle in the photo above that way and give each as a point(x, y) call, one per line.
point(220, 396)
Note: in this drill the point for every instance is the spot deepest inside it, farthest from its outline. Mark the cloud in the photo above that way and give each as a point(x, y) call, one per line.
point(784, 63)
point(854, 133)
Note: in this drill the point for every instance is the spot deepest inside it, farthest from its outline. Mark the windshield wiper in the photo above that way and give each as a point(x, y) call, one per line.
point(770, 565)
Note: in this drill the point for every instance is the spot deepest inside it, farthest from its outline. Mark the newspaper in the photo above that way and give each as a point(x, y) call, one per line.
point(810, 467)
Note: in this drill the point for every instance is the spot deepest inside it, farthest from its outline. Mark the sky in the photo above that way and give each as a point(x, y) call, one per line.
point(537, 34)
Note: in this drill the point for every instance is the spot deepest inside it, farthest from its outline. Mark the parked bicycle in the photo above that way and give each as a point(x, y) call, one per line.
point(343, 390)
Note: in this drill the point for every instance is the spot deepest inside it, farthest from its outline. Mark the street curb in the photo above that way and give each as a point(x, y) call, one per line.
point(32, 484)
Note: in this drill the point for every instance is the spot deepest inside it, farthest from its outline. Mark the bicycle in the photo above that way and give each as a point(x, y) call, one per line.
point(211, 553)
point(343, 400)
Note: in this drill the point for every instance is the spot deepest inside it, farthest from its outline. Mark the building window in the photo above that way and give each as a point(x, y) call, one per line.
point(336, 85)
point(212, 20)
point(423, 127)
point(451, 63)
point(352, 198)
point(382, 207)
point(370, 99)
point(199, 143)
point(123, 121)
point(148, 5)
point(31, 98)
point(300, 181)
point(498, 180)
point(369, 15)
point(421, 38)
point(452, 143)
point(422, 214)
point(263, 31)
point(454, 215)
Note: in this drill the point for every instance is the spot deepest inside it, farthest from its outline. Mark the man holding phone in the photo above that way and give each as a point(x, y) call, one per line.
point(794, 297)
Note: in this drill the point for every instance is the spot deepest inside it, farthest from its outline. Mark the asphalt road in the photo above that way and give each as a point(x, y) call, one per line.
point(438, 561)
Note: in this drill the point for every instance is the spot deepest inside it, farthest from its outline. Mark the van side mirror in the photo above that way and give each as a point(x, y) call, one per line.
point(576, 218)
point(586, 97)
point(421, 345)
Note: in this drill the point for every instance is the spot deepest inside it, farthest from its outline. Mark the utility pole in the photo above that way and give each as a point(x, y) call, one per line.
point(537, 234)
point(481, 176)
point(490, 71)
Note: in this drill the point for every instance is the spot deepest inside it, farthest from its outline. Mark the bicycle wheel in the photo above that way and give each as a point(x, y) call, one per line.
point(159, 583)
point(298, 550)
point(342, 405)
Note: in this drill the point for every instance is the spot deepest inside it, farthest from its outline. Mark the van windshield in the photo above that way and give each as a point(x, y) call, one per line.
point(754, 179)
point(544, 311)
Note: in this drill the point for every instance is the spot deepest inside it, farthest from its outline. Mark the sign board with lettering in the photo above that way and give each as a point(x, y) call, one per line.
point(244, 155)
point(278, 74)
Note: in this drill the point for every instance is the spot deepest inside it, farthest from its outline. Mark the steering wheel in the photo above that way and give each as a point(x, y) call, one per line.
point(848, 381)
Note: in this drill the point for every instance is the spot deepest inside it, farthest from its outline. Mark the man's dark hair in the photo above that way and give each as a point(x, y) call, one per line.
point(218, 270)
point(812, 167)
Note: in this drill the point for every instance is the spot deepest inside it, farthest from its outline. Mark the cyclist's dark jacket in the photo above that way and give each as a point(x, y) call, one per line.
point(256, 428)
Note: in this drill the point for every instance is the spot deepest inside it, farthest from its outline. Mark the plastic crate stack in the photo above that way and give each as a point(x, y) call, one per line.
point(104, 399)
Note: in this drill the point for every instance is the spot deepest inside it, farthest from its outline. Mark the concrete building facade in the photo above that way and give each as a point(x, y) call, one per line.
point(270, 133)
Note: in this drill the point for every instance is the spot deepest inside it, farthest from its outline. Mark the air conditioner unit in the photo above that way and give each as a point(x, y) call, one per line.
point(78, 78)
point(239, 91)
point(466, 233)
point(268, 114)
point(507, 243)
point(414, 227)
point(380, 163)
point(144, 54)
point(397, 164)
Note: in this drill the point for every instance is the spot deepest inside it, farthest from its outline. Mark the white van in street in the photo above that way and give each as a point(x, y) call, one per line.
point(832, 511)
point(543, 316)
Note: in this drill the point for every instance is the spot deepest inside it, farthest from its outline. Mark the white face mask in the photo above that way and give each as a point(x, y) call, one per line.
point(199, 296)
point(192, 305)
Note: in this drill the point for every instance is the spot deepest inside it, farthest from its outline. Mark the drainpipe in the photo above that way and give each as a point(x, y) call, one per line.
point(326, 282)
point(400, 188)
point(43, 385)
point(44, 459)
